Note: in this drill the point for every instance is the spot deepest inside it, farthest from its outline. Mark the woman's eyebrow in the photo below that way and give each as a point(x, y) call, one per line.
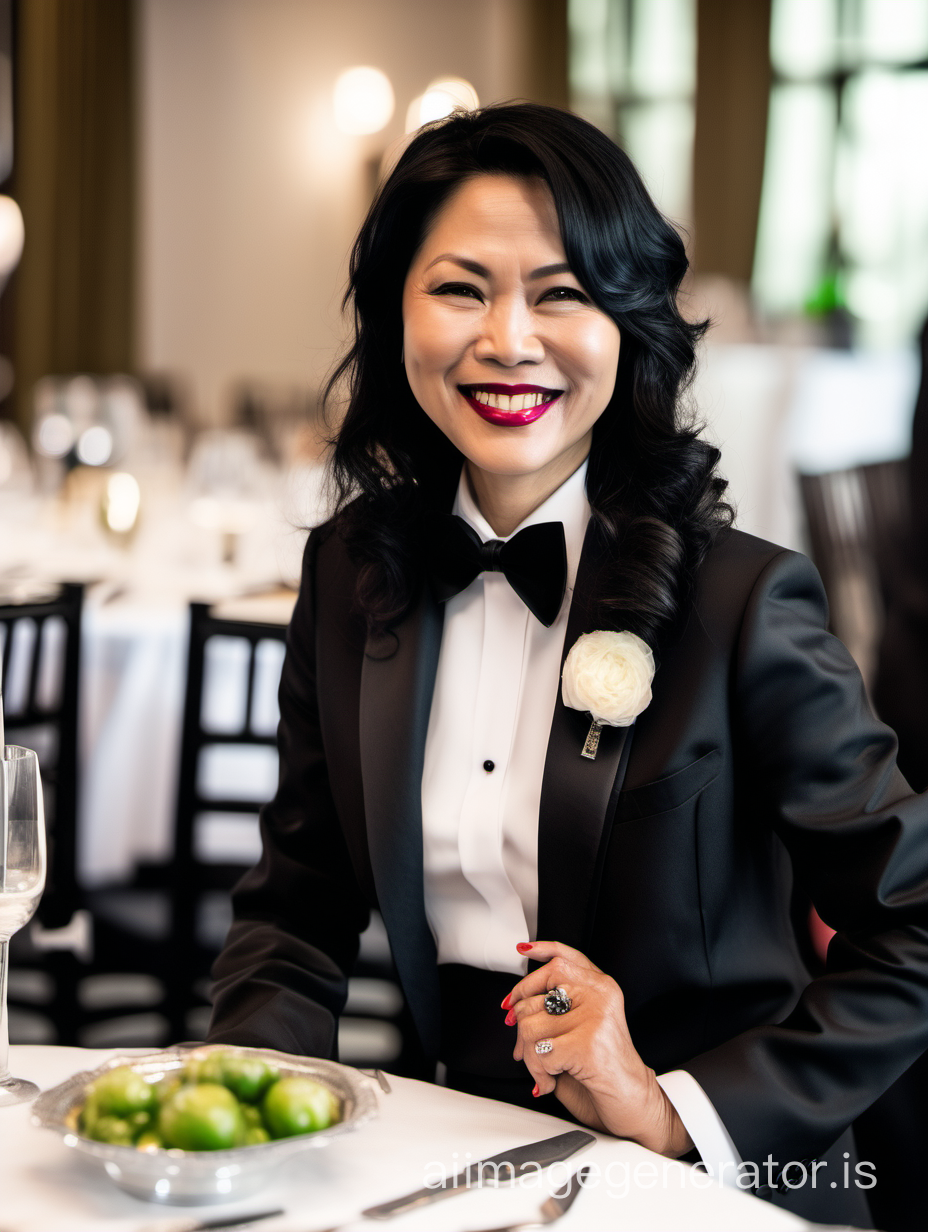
point(543, 271)
point(464, 262)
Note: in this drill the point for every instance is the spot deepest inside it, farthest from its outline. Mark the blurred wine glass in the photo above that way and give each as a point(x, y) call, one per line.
point(22, 880)
point(15, 468)
point(119, 507)
point(226, 485)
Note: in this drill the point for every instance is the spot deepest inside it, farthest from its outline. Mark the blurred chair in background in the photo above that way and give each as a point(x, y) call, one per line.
point(228, 766)
point(228, 769)
point(856, 519)
point(69, 983)
point(39, 680)
point(868, 529)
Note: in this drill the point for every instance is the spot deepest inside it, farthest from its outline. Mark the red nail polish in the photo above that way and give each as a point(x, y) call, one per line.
point(511, 1018)
point(536, 1092)
point(506, 1003)
point(524, 946)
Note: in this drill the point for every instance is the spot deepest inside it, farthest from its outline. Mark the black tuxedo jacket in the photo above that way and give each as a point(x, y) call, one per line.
point(668, 860)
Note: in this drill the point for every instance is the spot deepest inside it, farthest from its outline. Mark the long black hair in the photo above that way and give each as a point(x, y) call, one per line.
point(656, 500)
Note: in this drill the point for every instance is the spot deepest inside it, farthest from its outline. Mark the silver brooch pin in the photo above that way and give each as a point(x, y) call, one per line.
point(591, 744)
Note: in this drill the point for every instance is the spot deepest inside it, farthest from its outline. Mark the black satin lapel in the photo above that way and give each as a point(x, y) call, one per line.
point(397, 681)
point(578, 796)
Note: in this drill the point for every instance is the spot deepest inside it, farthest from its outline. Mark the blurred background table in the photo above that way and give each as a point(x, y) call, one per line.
point(134, 645)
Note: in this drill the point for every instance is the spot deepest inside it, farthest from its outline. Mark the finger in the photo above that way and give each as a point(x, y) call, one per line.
point(536, 1026)
point(525, 1008)
point(545, 1059)
point(557, 971)
point(555, 1003)
point(543, 951)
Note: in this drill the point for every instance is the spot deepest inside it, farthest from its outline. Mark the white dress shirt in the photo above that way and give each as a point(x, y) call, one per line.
point(496, 688)
point(495, 691)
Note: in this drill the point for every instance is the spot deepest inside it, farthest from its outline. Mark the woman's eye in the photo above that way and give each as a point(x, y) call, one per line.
point(457, 288)
point(561, 294)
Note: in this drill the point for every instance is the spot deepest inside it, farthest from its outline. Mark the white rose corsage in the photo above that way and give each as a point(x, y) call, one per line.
point(608, 674)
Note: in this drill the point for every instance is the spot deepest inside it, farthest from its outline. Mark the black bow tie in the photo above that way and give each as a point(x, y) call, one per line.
point(534, 562)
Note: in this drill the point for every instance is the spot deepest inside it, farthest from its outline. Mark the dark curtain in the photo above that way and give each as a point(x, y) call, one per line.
point(546, 62)
point(901, 687)
point(74, 173)
point(733, 79)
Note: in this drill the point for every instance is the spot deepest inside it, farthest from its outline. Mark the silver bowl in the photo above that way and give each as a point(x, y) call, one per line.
point(190, 1178)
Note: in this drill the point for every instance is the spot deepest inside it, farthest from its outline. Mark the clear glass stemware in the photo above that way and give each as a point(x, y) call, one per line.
point(22, 880)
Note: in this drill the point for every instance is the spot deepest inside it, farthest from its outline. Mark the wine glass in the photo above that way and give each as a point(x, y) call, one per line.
point(227, 484)
point(22, 880)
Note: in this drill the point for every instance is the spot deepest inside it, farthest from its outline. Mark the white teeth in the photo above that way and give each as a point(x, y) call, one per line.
point(505, 402)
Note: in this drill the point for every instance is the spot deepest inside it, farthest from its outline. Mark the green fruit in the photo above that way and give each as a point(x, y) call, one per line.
point(89, 1115)
point(193, 1069)
point(256, 1134)
point(166, 1087)
point(140, 1121)
point(114, 1130)
point(149, 1141)
point(246, 1077)
point(120, 1092)
point(298, 1106)
point(207, 1069)
point(204, 1117)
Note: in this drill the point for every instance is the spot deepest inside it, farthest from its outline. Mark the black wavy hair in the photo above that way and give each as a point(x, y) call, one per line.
point(656, 500)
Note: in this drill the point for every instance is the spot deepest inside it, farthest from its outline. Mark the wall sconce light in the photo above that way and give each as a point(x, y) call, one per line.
point(12, 234)
point(363, 100)
point(439, 100)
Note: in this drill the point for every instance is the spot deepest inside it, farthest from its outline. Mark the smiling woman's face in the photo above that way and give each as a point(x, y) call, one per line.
point(504, 350)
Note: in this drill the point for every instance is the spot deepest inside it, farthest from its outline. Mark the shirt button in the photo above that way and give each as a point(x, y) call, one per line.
point(489, 766)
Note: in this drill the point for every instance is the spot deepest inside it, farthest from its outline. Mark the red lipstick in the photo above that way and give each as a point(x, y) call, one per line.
point(510, 419)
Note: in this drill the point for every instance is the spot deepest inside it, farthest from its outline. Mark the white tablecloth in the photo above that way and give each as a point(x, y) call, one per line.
point(46, 1187)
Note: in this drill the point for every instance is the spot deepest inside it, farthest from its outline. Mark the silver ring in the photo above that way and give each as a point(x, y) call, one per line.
point(543, 1046)
point(557, 1001)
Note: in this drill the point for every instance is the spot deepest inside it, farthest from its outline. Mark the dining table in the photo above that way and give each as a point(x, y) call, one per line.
point(421, 1131)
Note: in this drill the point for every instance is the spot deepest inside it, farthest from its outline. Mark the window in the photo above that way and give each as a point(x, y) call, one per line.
point(633, 74)
point(844, 211)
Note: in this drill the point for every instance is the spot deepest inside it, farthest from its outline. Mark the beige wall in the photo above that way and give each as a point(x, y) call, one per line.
point(249, 197)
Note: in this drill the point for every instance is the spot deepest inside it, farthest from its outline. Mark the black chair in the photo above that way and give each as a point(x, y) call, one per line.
point(83, 971)
point(376, 1029)
point(855, 521)
point(200, 885)
point(39, 680)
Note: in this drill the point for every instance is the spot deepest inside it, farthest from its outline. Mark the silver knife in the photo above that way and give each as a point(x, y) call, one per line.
point(506, 1166)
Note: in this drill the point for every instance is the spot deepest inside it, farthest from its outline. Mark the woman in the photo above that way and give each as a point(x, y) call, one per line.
point(519, 359)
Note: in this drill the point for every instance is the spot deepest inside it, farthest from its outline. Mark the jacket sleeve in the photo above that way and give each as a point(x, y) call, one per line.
point(858, 840)
point(281, 979)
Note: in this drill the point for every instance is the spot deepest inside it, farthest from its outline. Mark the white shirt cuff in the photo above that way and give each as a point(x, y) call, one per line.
point(703, 1124)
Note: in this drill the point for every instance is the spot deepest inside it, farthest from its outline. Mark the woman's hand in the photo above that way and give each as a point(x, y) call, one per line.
point(592, 1066)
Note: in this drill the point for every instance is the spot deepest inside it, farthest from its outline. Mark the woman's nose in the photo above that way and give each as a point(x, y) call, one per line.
point(508, 335)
